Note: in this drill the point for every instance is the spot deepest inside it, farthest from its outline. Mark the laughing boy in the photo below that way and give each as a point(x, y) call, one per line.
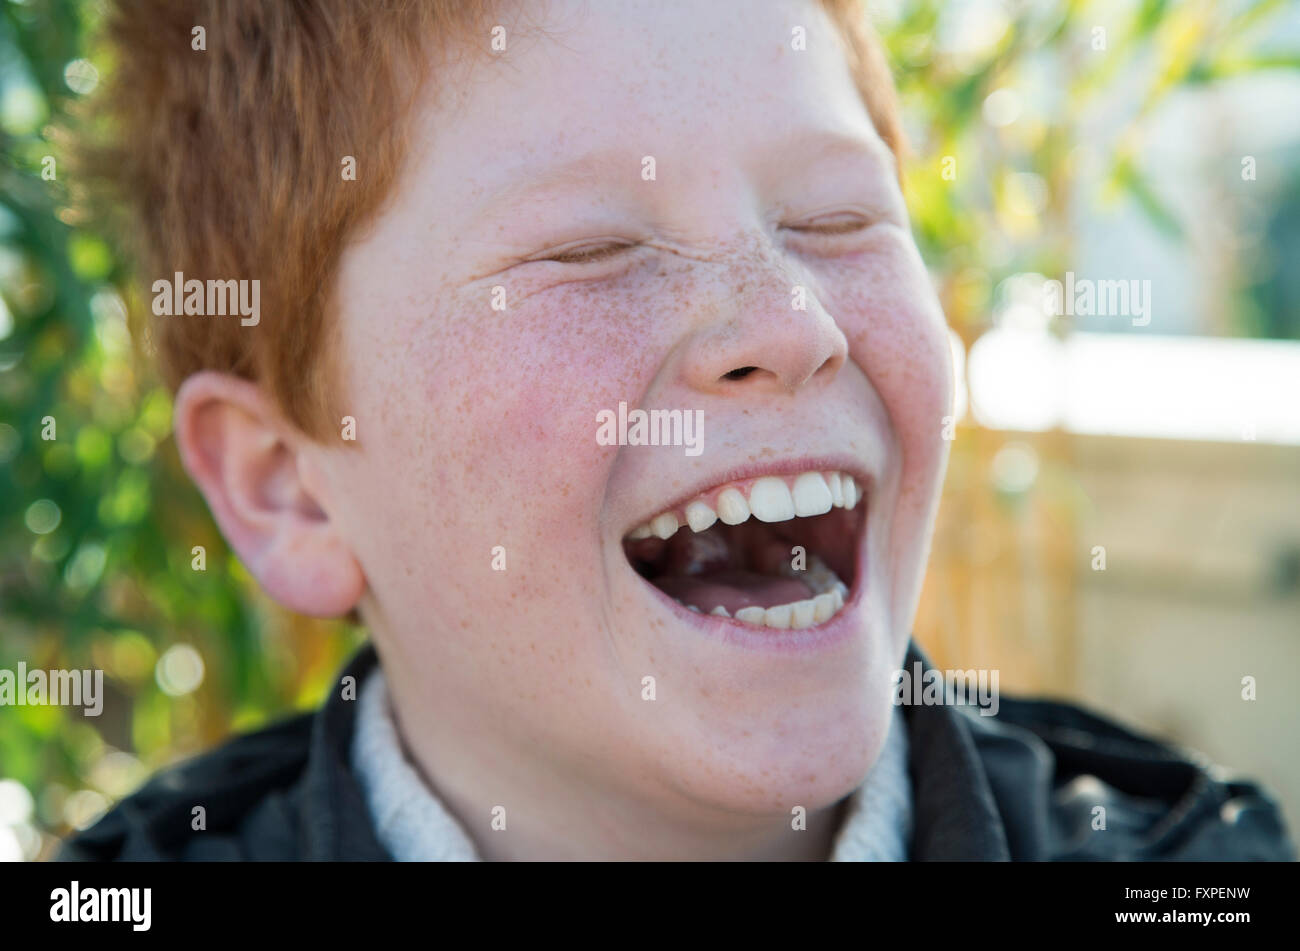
point(477, 228)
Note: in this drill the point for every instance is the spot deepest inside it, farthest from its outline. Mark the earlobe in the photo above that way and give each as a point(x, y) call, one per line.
point(245, 460)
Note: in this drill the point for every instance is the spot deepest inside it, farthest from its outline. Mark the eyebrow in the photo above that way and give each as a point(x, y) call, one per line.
point(803, 146)
point(572, 175)
point(837, 144)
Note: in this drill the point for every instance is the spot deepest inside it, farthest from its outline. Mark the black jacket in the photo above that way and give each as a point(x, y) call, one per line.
point(1021, 785)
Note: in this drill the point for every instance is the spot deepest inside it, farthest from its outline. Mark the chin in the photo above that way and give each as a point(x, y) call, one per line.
point(812, 752)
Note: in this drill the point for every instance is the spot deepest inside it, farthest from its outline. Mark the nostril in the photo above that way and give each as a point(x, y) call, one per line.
point(739, 374)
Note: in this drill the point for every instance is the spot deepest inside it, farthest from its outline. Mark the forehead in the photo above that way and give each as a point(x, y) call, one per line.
point(584, 89)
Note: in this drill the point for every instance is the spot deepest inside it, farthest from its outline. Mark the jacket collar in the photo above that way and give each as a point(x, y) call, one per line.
point(955, 811)
point(335, 824)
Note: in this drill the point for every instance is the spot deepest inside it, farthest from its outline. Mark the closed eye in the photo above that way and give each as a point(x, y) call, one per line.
point(585, 254)
point(846, 223)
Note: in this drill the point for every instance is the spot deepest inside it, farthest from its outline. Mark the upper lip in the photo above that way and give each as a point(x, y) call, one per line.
point(751, 470)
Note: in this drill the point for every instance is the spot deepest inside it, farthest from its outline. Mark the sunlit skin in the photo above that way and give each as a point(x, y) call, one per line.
point(523, 688)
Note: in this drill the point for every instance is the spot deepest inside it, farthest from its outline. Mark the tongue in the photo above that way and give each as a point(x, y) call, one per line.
point(733, 589)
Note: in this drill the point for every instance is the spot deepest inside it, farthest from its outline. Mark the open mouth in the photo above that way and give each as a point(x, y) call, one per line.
point(770, 552)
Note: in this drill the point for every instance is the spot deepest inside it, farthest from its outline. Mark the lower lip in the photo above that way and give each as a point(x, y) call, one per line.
point(843, 626)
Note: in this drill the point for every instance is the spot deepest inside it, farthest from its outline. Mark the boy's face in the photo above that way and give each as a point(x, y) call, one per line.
point(477, 427)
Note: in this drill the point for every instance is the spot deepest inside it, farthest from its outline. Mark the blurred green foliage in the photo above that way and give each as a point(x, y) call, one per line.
point(98, 523)
point(1012, 92)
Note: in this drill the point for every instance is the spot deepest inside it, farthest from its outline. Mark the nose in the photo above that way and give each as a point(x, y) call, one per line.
point(765, 332)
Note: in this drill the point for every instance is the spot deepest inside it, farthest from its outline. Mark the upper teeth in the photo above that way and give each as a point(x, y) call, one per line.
point(771, 499)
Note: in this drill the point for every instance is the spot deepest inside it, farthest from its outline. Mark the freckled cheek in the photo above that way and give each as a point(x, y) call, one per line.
point(516, 394)
point(918, 394)
point(900, 340)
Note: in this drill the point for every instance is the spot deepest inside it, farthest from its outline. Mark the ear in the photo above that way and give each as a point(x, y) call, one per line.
point(247, 461)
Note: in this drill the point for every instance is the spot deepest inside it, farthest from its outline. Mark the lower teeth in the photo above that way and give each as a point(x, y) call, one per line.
point(829, 596)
